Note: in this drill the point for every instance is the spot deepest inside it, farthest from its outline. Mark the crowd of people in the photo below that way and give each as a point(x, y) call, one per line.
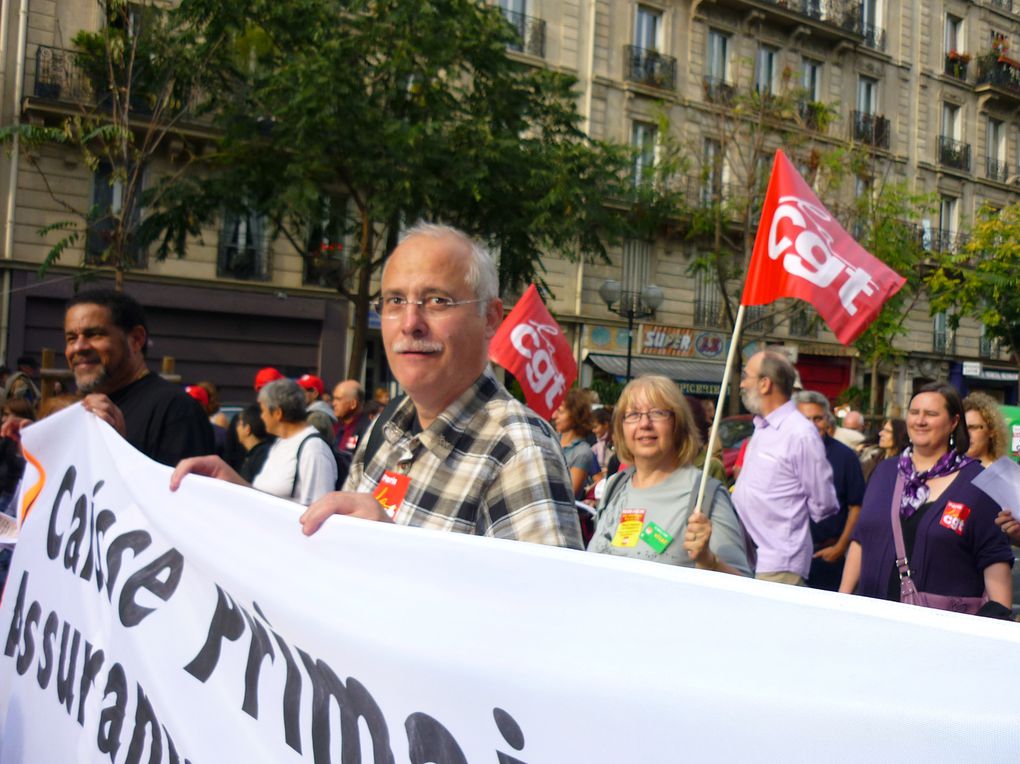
point(893, 514)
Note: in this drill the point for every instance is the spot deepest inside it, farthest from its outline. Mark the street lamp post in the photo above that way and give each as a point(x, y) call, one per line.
point(630, 305)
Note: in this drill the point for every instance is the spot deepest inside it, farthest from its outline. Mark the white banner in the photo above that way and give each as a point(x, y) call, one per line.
point(143, 626)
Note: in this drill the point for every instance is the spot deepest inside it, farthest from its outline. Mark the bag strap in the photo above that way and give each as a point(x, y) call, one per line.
point(907, 586)
point(376, 435)
point(615, 483)
point(297, 461)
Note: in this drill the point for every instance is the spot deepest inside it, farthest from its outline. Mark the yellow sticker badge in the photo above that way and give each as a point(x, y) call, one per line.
point(629, 530)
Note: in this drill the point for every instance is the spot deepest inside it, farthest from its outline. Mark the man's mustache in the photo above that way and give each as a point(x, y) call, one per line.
point(416, 346)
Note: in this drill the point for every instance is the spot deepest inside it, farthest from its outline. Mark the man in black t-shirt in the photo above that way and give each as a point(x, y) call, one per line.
point(106, 335)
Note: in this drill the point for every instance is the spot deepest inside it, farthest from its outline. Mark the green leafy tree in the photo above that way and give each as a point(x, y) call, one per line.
point(133, 84)
point(399, 110)
point(982, 279)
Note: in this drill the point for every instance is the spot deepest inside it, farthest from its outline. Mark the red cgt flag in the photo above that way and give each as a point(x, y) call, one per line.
point(801, 251)
point(531, 346)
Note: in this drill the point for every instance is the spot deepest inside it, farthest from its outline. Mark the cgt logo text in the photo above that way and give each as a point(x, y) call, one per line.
point(805, 246)
point(532, 341)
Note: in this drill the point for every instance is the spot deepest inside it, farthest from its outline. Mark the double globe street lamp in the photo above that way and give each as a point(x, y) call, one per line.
point(630, 305)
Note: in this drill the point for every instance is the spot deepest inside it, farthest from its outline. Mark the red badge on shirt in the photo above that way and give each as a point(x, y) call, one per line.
point(954, 516)
point(390, 491)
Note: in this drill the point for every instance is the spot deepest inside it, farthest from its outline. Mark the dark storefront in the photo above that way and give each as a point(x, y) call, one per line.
point(221, 334)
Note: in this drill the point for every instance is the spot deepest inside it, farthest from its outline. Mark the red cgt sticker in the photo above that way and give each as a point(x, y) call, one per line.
point(955, 516)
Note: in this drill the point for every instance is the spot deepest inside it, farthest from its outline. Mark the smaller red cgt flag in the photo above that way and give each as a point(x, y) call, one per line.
point(532, 347)
point(802, 252)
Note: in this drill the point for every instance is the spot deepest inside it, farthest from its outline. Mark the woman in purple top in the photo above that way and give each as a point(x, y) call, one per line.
point(952, 544)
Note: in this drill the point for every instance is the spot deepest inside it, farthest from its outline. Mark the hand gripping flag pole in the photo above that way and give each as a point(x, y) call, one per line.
point(800, 251)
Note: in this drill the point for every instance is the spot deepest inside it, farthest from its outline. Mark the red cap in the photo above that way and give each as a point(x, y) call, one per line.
point(311, 382)
point(265, 376)
point(198, 393)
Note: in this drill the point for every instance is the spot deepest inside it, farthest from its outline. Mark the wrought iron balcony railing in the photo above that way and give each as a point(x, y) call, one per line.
point(718, 91)
point(996, 169)
point(649, 67)
point(1005, 5)
point(872, 129)
point(956, 65)
point(941, 239)
point(1000, 72)
point(58, 76)
point(530, 33)
point(953, 153)
point(874, 37)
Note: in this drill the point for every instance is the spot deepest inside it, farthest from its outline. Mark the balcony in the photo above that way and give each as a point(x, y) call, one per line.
point(828, 20)
point(718, 91)
point(998, 78)
point(62, 82)
point(530, 34)
point(1002, 5)
point(814, 115)
point(649, 67)
point(874, 37)
point(996, 169)
point(956, 65)
point(941, 239)
point(871, 129)
point(954, 154)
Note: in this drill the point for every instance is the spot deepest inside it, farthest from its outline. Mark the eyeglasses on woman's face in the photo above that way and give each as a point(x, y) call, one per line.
point(654, 415)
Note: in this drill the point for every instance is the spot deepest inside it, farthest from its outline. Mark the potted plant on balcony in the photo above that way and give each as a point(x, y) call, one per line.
point(956, 64)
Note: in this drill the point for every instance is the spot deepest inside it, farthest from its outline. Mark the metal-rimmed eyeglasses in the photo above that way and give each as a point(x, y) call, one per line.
point(393, 307)
point(654, 415)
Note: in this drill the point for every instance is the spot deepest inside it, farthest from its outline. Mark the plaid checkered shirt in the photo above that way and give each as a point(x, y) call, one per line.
point(486, 465)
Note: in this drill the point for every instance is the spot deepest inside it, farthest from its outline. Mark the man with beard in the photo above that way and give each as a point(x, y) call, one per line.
point(106, 334)
point(786, 480)
point(459, 453)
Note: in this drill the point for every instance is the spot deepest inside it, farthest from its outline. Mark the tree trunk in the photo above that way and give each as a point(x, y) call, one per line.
point(356, 362)
point(873, 392)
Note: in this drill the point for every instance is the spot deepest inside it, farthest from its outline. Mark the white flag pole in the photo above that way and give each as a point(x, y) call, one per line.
point(738, 325)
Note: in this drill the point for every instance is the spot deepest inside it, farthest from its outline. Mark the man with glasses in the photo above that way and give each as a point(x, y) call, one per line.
point(459, 453)
point(786, 480)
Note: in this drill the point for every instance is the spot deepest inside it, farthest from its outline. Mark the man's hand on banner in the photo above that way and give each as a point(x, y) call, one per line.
point(209, 466)
point(106, 410)
point(342, 503)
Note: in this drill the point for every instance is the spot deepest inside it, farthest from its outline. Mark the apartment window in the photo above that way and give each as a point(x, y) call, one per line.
point(718, 56)
point(954, 34)
point(867, 95)
point(637, 265)
point(648, 28)
point(995, 151)
point(951, 121)
point(871, 28)
point(766, 75)
point(514, 6)
point(803, 321)
point(326, 257)
point(714, 172)
point(643, 138)
point(707, 299)
point(811, 79)
point(108, 197)
point(243, 251)
point(940, 333)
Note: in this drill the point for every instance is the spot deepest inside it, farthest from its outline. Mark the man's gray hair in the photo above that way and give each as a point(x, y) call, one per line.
point(482, 276)
point(815, 397)
point(287, 396)
point(777, 367)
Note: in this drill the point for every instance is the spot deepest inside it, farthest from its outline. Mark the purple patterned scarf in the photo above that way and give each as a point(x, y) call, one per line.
point(915, 484)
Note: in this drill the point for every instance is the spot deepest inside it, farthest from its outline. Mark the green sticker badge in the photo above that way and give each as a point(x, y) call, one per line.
point(656, 537)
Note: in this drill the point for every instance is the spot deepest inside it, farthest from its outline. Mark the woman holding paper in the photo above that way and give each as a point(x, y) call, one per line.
point(647, 510)
point(935, 543)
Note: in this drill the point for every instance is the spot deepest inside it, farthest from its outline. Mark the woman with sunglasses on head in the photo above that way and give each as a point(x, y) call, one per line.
point(892, 439)
point(926, 535)
point(646, 511)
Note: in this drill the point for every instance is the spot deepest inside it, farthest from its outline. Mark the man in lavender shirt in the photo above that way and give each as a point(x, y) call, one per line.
point(786, 479)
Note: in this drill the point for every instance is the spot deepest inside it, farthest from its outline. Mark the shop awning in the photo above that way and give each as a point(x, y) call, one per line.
point(693, 376)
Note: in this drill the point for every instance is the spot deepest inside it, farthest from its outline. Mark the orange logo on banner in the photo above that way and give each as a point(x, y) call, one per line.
point(390, 491)
point(955, 516)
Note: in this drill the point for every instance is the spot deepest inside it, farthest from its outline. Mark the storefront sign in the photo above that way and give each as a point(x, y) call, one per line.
point(679, 342)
